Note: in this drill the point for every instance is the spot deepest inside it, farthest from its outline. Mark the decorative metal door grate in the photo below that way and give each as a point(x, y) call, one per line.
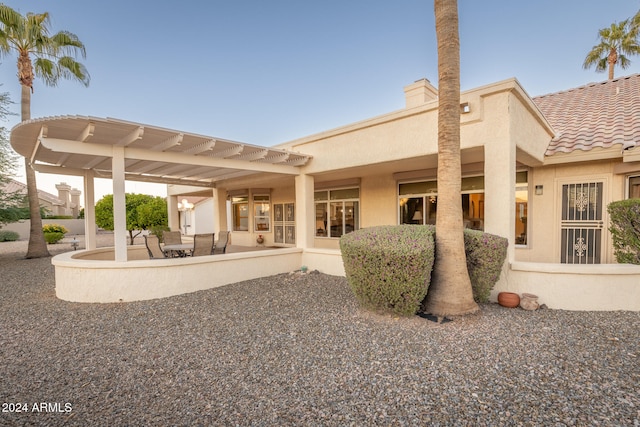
point(581, 225)
point(284, 223)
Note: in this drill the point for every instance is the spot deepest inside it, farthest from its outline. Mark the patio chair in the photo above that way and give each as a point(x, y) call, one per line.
point(153, 247)
point(221, 243)
point(202, 244)
point(172, 237)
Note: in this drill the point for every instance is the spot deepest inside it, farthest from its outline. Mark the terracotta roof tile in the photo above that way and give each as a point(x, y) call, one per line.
point(595, 115)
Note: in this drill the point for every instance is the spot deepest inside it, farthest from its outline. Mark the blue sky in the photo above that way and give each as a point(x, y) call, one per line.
point(266, 72)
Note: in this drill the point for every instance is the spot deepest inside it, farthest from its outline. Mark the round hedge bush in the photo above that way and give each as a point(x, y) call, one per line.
point(389, 267)
point(53, 233)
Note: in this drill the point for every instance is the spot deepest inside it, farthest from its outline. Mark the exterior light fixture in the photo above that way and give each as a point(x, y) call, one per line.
point(185, 207)
point(539, 190)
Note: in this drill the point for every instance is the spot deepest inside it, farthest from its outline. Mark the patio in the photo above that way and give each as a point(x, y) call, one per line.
point(92, 276)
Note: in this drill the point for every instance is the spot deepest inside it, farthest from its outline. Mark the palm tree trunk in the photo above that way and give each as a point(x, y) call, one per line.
point(37, 245)
point(450, 290)
point(611, 60)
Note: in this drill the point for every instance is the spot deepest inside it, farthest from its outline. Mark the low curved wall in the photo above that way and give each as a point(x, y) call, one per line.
point(80, 279)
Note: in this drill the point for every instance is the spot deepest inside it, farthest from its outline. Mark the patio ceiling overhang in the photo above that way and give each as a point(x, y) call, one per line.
point(72, 145)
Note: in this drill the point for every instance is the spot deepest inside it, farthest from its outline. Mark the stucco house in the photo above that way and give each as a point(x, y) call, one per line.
point(66, 203)
point(538, 171)
point(555, 160)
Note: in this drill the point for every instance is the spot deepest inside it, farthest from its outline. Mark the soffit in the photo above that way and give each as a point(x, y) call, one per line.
point(74, 144)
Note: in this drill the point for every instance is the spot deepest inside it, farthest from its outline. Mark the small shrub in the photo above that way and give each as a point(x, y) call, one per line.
point(389, 267)
point(8, 236)
point(625, 229)
point(485, 256)
point(53, 233)
point(54, 228)
point(52, 238)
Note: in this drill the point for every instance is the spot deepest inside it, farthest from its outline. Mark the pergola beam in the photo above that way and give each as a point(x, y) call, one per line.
point(132, 137)
point(103, 150)
point(86, 133)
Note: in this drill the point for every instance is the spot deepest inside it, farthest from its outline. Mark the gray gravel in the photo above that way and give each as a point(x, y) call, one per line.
point(295, 349)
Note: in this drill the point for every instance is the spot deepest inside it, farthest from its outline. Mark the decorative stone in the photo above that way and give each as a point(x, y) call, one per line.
point(529, 302)
point(508, 299)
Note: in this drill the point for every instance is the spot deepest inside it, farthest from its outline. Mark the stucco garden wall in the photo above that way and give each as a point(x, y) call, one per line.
point(75, 226)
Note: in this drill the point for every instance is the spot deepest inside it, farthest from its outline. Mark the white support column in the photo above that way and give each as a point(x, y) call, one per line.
point(219, 211)
point(89, 211)
point(173, 216)
point(500, 191)
point(305, 213)
point(119, 205)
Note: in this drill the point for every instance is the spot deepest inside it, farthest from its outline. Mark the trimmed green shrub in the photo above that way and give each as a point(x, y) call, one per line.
point(52, 238)
point(8, 236)
point(485, 256)
point(53, 233)
point(624, 217)
point(389, 267)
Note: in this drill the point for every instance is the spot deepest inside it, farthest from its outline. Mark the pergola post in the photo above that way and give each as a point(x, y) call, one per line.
point(89, 210)
point(119, 205)
point(173, 216)
point(219, 211)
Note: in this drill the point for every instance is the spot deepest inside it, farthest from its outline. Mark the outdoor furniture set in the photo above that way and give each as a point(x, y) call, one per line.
point(203, 244)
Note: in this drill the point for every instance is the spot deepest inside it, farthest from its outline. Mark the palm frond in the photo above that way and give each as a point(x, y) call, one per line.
point(68, 44)
point(71, 69)
point(46, 69)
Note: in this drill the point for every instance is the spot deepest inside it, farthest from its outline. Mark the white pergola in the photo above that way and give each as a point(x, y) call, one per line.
point(94, 147)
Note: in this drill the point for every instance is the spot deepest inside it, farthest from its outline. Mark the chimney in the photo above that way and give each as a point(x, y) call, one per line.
point(419, 93)
point(75, 202)
point(63, 193)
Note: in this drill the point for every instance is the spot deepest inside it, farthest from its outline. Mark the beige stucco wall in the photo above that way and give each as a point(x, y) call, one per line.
point(545, 209)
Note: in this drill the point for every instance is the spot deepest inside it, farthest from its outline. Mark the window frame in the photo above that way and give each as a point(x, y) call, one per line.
point(327, 203)
point(258, 219)
point(628, 184)
point(237, 202)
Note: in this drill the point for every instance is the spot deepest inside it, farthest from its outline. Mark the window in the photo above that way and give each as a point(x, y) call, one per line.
point(240, 208)
point(337, 212)
point(522, 205)
point(418, 202)
point(634, 187)
point(262, 216)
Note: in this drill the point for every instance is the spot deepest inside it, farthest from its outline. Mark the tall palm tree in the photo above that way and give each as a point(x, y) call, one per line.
point(616, 43)
point(450, 291)
point(53, 59)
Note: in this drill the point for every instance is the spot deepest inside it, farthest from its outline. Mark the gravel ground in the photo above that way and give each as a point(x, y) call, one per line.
point(295, 350)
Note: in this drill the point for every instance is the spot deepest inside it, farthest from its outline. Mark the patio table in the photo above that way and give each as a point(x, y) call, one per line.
point(180, 249)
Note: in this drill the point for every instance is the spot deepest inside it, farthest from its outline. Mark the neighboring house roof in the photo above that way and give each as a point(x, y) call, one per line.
point(595, 115)
point(14, 186)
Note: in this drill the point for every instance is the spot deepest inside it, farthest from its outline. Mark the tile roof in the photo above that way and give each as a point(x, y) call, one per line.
point(595, 115)
point(13, 186)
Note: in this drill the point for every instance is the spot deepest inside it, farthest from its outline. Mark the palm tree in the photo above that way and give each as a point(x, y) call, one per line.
point(54, 59)
point(616, 42)
point(450, 291)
